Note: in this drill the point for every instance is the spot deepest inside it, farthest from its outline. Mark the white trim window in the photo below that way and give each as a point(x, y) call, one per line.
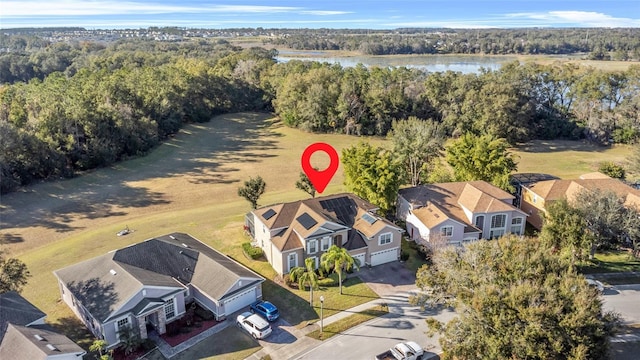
point(315, 261)
point(312, 246)
point(480, 222)
point(446, 231)
point(292, 260)
point(122, 325)
point(325, 243)
point(516, 225)
point(385, 238)
point(498, 225)
point(169, 309)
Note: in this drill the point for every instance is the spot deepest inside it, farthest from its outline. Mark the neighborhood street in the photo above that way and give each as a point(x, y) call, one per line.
point(404, 322)
point(625, 300)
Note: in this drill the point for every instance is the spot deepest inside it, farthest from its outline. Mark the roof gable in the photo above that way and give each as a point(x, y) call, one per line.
point(17, 310)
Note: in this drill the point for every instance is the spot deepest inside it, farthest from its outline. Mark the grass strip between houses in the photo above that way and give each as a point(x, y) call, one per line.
point(350, 321)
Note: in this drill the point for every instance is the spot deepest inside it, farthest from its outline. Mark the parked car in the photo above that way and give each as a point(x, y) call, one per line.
point(254, 324)
point(266, 309)
point(403, 351)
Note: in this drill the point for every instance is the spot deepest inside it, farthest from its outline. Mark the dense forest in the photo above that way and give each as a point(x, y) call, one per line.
point(600, 44)
point(79, 106)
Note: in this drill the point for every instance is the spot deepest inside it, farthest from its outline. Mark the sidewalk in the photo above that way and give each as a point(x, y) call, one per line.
point(305, 343)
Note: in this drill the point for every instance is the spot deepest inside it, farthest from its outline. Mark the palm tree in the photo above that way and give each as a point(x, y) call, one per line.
point(306, 276)
point(338, 259)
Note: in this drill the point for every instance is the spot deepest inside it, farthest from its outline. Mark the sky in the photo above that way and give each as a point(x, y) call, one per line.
point(358, 14)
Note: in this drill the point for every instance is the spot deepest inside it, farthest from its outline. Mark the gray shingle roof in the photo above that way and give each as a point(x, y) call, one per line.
point(20, 343)
point(17, 310)
point(172, 260)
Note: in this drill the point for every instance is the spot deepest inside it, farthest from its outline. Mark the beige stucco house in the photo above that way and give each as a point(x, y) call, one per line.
point(458, 212)
point(288, 233)
point(536, 196)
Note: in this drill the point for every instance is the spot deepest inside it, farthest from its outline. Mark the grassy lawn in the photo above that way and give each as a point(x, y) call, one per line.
point(189, 184)
point(416, 259)
point(567, 159)
point(349, 322)
point(611, 262)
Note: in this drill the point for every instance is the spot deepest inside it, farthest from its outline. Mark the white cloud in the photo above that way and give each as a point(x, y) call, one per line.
point(117, 7)
point(577, 18)
point(324, 12)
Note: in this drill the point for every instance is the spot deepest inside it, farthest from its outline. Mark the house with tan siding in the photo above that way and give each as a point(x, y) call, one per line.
point(537, 196)
point(458, 212)
point(289, 233)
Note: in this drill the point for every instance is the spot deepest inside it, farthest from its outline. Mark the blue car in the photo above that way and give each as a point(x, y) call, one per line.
point(266, 309)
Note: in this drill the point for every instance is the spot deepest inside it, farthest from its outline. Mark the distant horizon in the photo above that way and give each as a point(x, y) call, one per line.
point(331, 14)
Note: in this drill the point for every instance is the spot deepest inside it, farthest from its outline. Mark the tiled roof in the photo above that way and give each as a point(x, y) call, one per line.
point(304, 218)
point(436, 203)
point(558, 189)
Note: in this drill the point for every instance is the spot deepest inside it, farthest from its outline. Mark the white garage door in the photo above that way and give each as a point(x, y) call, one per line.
point(383, 257)
point(239, 301)
point(361, 259)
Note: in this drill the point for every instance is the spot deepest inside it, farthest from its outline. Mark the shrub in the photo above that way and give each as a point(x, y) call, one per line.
point(252, 251)
point(328, 281)
point(612, 169)
point(404, 256)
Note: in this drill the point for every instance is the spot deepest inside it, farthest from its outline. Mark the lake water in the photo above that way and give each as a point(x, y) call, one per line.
point(431, 63)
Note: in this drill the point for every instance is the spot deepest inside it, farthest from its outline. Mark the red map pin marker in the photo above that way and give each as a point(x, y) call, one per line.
point(320, 179)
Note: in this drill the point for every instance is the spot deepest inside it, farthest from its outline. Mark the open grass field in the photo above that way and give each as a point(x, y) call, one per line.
point(189, 184)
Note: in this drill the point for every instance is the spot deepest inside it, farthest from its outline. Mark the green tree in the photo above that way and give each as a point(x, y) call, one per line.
point(416, 143)
point(563, 229)
point(604, 213)
point(305, 185)
point(481, 158)
point(13, 274)
point(372, 173)
point(516, 299)
point(252, 190)
point(100, 347)
point(338, 259)
point(305, 276)
point(612, 169)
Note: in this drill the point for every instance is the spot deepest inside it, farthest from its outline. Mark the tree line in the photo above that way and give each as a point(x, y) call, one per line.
point(601, 44)
point(107, 103)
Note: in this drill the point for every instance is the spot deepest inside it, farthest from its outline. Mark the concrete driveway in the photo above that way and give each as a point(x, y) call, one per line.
point(388, 279)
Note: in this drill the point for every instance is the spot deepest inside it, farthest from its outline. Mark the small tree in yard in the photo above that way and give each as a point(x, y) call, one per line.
point(305, 276)
point(252, 190)
point(612, 169)
point(13, 274)
point(100, 347)
point(305, 185)
point(338, 259)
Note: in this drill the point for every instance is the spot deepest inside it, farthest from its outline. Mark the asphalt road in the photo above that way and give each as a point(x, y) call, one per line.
point(404, 322)
point(625, 300)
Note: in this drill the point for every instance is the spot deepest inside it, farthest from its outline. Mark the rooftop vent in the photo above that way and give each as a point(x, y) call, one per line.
point(172, 237)
point(113, 272)
point(38, 337)
point(185, 245)
point(52, 347)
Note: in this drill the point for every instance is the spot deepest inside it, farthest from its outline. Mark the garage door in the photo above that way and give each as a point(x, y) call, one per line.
point(383, 257)
point(360, 258)
point(239, 301)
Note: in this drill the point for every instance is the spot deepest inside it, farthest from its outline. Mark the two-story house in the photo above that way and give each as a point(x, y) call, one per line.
point(288, 233)
point(459, 212)
point(148, 284)
point(536, 196)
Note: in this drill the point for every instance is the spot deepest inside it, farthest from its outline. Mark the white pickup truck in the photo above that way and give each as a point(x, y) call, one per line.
point(403, 351)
